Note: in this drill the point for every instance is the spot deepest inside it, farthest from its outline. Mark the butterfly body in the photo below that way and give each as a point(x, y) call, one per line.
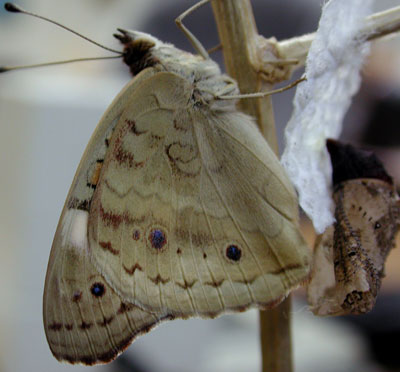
point(179, 208)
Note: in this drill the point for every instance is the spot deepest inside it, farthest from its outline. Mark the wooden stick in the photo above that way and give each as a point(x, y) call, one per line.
point(243, 48)
point(238, 35)
point(376, 26)
point(276, 342)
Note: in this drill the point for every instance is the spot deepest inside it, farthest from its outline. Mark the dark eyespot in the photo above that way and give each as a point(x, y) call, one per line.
point(378, 225)
point(77, 296)
point(233, 253)
point(97, 289)
point(351, 254)
point(136, 235)
point(157, 238)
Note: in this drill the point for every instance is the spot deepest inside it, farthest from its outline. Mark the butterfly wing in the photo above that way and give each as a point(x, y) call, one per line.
point(193, 214)
point(84, 319)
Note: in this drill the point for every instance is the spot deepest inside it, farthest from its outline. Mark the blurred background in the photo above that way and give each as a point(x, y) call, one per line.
point(46, 118)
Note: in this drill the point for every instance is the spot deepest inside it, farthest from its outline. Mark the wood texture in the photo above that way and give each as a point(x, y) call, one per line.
point(276, 338)
point(238, 34)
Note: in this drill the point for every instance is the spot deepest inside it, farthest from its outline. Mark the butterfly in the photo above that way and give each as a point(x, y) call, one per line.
point(179, 208)
point(349, 257)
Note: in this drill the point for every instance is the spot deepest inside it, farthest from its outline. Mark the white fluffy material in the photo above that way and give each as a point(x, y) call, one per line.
point(74, 228)
point(332, 70)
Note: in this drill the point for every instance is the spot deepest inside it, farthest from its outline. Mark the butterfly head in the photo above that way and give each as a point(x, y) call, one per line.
point(138, 47)
point(142, 50)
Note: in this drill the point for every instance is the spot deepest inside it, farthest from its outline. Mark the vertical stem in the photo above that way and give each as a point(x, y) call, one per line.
point(238, 35)
point(276, 345)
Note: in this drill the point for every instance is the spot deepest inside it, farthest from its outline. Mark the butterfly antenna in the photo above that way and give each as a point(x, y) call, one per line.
point(11, 68)
point(10, 7)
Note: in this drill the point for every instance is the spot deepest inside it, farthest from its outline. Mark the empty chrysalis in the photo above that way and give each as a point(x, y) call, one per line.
point(349, 256)
point(179, 208)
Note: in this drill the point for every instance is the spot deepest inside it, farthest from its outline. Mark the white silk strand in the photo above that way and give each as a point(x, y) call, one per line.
point(333, 76)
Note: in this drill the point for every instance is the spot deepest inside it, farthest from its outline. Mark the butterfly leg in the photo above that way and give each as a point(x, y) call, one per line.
point(263, 94)
point(193, 39)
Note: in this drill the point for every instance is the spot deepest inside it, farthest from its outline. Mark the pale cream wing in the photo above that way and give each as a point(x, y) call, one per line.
point(193, 213)
point(71, 313)
point(85, 320)
point(244, 185)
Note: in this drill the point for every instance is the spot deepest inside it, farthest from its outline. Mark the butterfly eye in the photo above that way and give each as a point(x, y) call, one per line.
point(233, 253)
point(377, 225)
point(97, 289)
point(157, 238)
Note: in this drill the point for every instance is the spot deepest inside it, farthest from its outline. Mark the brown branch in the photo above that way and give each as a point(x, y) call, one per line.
point(250, 59)
point(276, 342)
point(376, 26)
point(238, 35)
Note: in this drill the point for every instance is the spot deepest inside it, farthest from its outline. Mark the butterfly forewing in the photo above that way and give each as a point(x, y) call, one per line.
point(84, 319)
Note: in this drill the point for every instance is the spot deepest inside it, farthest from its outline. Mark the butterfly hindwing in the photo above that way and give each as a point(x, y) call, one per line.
point(183, 218)
point(179, 208)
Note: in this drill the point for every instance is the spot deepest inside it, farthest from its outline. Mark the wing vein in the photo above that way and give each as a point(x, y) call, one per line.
point(233, 221)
